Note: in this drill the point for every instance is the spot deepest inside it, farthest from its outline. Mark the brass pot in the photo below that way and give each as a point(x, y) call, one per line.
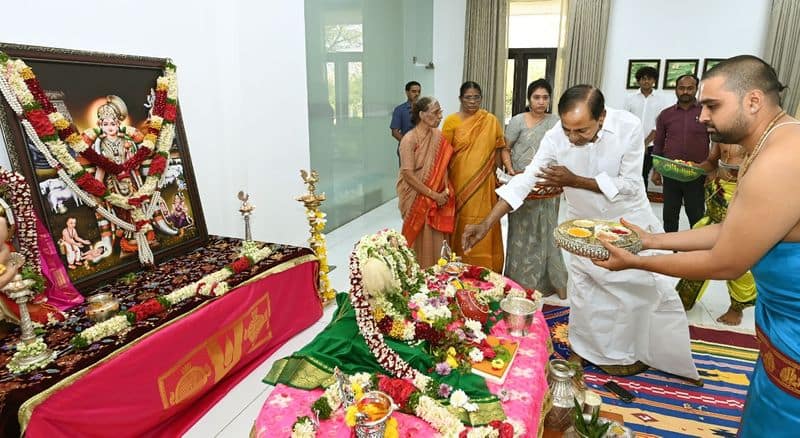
point(101, 307)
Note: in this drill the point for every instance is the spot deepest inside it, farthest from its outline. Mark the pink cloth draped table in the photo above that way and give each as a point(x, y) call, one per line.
point(524, 388)
point(162, 384)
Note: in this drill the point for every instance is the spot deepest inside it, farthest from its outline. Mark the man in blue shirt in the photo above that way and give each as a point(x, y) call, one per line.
point(401, 117)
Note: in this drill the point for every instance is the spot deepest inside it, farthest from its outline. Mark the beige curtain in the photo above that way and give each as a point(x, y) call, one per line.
point(560, 79)
point(783, 42)
point(486, 50)
point(584, 47)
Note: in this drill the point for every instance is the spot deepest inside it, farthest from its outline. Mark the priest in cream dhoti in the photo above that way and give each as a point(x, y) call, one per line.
point(621, 321)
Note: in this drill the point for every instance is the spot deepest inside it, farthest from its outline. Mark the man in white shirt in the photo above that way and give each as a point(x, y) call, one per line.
point(647, 104)
point(619, 322)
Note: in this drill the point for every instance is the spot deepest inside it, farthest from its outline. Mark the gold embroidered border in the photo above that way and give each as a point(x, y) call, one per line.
point(26, 409)
point(300, 372)
point(782, 370)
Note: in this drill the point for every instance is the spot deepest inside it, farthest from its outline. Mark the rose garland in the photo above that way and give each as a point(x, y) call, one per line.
point(212, 284)
point(317, 221)
point(49, 129)
point(18, 192)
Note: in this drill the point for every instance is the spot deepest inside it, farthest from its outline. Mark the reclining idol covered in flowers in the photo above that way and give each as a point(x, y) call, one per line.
point(412, 334)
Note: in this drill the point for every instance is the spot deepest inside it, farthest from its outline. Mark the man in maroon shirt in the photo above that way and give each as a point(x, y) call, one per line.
point(679, 136)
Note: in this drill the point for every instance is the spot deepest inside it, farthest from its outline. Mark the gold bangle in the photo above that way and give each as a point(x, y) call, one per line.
point(2, 269)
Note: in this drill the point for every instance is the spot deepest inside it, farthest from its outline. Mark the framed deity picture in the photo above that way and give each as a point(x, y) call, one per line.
point(100, 140)
point(711, 62)
point(634, 65)
point(675, 68)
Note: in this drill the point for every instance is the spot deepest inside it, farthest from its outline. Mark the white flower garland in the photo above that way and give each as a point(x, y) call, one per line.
point(304, 429)
point(439, 417)
point(36, 347)
point(108, 327)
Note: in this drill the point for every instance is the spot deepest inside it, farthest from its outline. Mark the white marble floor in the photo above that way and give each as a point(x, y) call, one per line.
point(234, 415)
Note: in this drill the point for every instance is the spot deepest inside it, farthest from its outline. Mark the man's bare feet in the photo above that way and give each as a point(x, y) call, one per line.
point(731, 317)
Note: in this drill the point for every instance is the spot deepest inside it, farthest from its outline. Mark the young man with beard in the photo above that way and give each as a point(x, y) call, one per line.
point(679, 136)
point(741, 104)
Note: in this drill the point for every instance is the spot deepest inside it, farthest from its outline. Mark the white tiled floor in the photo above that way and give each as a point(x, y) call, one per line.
point(234, 415)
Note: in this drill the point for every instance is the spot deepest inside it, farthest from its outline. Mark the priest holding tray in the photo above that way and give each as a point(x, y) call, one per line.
point(624, 321)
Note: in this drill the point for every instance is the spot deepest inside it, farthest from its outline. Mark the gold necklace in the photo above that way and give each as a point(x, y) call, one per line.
point(761, 141)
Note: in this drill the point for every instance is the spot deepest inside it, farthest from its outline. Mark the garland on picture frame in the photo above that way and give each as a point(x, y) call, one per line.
point(52, 134)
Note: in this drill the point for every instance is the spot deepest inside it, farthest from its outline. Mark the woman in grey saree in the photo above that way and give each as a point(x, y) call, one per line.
point(532, 259)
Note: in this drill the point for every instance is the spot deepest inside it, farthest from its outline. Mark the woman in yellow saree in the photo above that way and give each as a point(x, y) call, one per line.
point(477, 138)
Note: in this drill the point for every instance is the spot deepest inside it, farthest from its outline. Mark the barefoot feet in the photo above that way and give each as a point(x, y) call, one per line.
point(731, 317)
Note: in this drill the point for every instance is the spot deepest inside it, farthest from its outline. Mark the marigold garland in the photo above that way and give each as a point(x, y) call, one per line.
point(316, 222)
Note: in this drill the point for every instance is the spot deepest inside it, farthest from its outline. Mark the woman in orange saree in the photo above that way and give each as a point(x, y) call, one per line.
point(477, 138)
point(423, 188)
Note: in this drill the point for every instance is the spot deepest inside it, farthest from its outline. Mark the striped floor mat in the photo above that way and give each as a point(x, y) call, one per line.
point(666, 406)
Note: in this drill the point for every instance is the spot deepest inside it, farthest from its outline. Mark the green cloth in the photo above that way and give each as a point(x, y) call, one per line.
point(340, 344)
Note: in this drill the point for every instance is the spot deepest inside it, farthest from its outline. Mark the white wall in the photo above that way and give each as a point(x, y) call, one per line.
point(688, 29)
point(449, 21)
point(242, 91)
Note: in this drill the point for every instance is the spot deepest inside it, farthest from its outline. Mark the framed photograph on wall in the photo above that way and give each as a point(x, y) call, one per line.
point(675, 68)
point(126, 193)
point(634, 65)
point(711, 62)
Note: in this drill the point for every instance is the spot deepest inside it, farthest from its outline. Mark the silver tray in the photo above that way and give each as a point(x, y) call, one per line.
point(592, 247)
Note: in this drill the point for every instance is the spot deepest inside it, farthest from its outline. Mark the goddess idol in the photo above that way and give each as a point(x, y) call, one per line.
point(118, 143)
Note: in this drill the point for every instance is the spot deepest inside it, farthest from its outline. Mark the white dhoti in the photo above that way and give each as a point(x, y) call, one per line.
point(73, 254)
point(617, 318)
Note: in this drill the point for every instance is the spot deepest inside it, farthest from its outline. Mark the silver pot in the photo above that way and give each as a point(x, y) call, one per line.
point(518, 314)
